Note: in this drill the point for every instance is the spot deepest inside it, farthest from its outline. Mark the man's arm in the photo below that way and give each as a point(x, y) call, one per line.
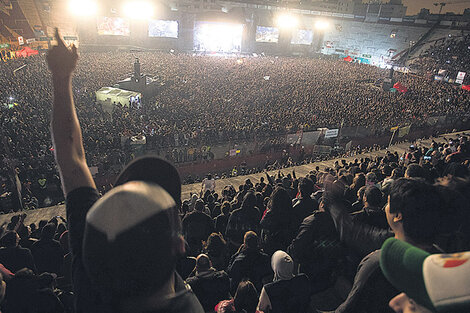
point(66, 133)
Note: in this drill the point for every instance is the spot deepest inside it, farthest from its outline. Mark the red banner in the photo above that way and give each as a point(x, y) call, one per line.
point(348, 59)
point(398, 86)
point(466, 87)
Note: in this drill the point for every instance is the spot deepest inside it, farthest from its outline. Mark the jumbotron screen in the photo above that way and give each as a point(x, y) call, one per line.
point(218, 37)
point(267, 34)
point(163, 28)
point(113, 26)
point(302, 37)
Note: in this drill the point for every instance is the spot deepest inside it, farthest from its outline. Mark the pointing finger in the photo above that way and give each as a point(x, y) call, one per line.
point(59, 40)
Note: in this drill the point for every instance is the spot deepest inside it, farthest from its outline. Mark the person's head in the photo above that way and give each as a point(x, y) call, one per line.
point(226, 207)
point(215, 242)
point(246, 297)
point(436, 283)
point(10, 239)
point(396, 173)
point(282, 265)
point(48, 231)
point(306, 187)
point(199, 206)
point(280, 201)
point(372, 197)
point(249, 200)
point(413, 210)
point(132, 241)
point(250, 240)
point(414, 171)
point(203, 263)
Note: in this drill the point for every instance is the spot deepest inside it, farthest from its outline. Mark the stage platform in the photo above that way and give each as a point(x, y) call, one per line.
point(35, 216)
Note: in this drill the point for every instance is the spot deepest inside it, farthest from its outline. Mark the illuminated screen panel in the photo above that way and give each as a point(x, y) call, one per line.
point(113, 26)
point(267, 34)
point(302, 37)
point(162, 28)
point(218, 37)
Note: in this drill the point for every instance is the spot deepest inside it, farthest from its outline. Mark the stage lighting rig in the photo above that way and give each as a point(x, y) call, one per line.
point(83, 7)
point(287, 21)
point(138, 10)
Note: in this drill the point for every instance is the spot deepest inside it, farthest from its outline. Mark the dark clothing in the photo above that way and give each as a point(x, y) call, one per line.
point(210, 287)
point(221, 222)
point(291, 295)
point(48, 256)
point(87, 298)
point(276, 232)
point(27, 242)
point(252, 264)
point(371, 291)
point(197, 226)
point(371, 217)
point(16, 258)
point(361, 238)
point(317, 249)
point(301, 208)
point(241, 221)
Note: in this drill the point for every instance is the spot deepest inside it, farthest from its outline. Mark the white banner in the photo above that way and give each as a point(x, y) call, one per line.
point(460, 77)
point(331, 133)
point(21, 40)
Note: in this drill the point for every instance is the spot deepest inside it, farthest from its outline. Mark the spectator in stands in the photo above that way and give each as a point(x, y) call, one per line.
point(216, 249)
point(242, 220)
point(413, 213)
point(14, 257)
point(47, 252)
point(318, 250)
point(277, 222)
point(210, 285)
point(27, 292)
point(414, 171)
point(249, 263)
point(287, 292)
point(197, 226)
point(304, 204)
point(221, 220)
point(429, 283)
point(372, 213)
point(245, 300)
point(124, 245)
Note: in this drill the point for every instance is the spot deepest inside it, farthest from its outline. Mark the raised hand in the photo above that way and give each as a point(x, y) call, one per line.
point(61, 59)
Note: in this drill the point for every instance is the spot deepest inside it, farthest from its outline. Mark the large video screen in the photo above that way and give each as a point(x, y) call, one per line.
point(267, 34)
point(162, 28)
point(302, 37)
point(218, 37)
point(113, 26)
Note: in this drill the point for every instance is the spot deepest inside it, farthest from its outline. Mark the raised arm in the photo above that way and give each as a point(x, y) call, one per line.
point(66, 133)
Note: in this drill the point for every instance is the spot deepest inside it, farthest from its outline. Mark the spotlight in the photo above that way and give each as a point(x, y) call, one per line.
point(322, 24)
point(83, 7)
point(138, 10)
point(287, 21)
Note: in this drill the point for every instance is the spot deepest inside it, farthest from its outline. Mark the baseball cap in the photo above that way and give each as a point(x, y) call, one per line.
point(128, 246)
point(155, 170)
point(439, 282)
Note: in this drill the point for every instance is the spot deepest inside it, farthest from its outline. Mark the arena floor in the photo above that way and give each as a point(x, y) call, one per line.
point(47, 213)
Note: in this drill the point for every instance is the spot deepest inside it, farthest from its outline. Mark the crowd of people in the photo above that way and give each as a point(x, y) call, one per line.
point(269, 245)
point(382, 224)
point(201, 101)
point(450, 54)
